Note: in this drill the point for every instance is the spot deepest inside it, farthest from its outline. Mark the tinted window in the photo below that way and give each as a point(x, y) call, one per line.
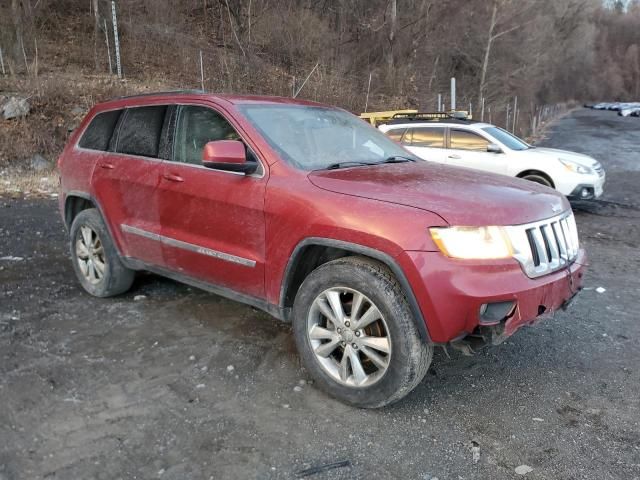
point(197, 126)
point(99, 131)
point(140, 131)
point(468, 141)
point(396, 134)
point(428, 137)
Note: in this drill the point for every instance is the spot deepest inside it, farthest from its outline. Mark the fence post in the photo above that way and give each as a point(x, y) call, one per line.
point(439, 102)
point(482, 111)
point(515, 113)
point(115, 38)
point(366, 102)
point(201, 72)
point(106, 40)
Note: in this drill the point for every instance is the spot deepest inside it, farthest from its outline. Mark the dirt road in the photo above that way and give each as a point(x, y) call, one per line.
point(181, 384)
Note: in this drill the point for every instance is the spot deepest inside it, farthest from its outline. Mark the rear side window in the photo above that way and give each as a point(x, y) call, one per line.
point(396, 134)
point(428, 137)
point(99, 131)
point(139, 132)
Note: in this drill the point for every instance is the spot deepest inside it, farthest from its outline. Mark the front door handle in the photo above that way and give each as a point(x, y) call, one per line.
point(173, 177)
point(455, 157)
point(108, 166)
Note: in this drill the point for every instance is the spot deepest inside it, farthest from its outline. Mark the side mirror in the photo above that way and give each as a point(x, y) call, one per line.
point(493, 148)
point(228, 155)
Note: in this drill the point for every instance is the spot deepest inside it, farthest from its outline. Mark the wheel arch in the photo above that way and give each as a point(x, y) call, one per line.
point(533, 171)
point(312, 252)
point(75, 201)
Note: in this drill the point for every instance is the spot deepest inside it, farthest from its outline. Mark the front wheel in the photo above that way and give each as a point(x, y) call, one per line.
point(355, 333)
point(538, 178)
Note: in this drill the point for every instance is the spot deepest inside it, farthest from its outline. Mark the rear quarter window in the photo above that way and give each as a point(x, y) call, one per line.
point(99, 132)
point(140, 131)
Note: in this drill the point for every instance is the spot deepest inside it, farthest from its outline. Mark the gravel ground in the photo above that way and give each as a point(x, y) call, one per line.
point(170, 382)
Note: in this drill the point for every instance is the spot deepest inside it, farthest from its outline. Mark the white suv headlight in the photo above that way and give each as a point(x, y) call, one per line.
point(472, 242)
point(575, 167)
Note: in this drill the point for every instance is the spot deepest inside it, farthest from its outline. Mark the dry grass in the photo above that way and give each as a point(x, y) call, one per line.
point(20, 183)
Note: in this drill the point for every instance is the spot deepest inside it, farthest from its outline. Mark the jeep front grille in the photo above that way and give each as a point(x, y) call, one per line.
point(546, 246)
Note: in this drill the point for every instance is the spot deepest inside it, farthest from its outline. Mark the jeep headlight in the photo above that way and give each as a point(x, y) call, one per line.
point(575, 167)
point(472, 242)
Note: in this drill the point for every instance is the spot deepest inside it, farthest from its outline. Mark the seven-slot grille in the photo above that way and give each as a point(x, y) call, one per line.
point(546, 246)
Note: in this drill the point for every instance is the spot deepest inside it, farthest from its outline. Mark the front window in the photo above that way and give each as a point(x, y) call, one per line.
point(197, 126)
point(463, 140)
point(508, 140)
point(313, 138)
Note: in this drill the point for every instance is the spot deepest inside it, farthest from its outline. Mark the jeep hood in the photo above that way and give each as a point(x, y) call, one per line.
point(579, 158)
point(461, 196)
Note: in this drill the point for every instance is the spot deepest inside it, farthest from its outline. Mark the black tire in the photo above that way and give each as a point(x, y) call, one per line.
point(538, 177)
point(116, 278)
point(410, 355)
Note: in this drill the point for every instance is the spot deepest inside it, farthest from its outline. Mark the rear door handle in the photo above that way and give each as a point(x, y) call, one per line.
point(108, 166)
point(456, 157)
point(173, 178)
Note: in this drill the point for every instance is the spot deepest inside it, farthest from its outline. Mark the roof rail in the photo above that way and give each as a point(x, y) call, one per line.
point(170, 92)
point(457, 115)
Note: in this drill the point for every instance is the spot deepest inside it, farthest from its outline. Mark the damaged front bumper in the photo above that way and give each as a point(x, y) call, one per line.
point(459, 299)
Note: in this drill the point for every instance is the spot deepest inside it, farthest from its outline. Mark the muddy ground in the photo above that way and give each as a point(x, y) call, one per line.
point(181, 384)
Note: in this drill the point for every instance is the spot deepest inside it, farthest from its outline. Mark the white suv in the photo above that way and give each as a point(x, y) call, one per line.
point(482, 146)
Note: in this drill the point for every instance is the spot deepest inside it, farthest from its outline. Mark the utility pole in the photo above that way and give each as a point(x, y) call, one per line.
point(115, 38)
point(453, 93)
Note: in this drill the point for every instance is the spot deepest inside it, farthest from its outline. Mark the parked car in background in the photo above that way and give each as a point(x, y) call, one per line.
point(482, 146)
point(317, 218)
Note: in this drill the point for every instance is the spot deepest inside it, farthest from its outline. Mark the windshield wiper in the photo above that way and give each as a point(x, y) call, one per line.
point(397, 159)
point(337, 165)
point(349, 163)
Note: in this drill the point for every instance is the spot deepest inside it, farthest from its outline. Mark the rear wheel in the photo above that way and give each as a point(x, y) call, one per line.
point(355, 333)
point(95, 259)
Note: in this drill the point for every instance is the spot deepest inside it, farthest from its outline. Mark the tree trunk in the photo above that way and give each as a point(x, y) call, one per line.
point(487, 53)
point(18, 46)
point(96, 32)
point(391, 38)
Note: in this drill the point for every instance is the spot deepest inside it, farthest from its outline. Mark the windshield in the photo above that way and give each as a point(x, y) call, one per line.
point(313, 138)
point(507, 139)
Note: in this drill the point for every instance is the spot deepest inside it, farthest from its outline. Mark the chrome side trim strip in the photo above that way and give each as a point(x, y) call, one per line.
point(227, 257)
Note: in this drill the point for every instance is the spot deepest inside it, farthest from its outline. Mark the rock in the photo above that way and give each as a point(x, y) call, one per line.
point(39, 163)
point(137, 298)
point(601, 290)
point(297, 388)
point(16, 107)
point(523, 469)
point(192, 358)
point(230, 368)
point(77, 111)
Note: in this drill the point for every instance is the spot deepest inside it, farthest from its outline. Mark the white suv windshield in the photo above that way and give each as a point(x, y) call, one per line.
point(313, 138)
point(508, 140)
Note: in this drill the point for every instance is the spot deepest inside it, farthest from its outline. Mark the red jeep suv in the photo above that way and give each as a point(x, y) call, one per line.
point(307, 212)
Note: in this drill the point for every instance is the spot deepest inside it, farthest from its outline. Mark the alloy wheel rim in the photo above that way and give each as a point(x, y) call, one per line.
point(90, 255)
point(349, 337)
